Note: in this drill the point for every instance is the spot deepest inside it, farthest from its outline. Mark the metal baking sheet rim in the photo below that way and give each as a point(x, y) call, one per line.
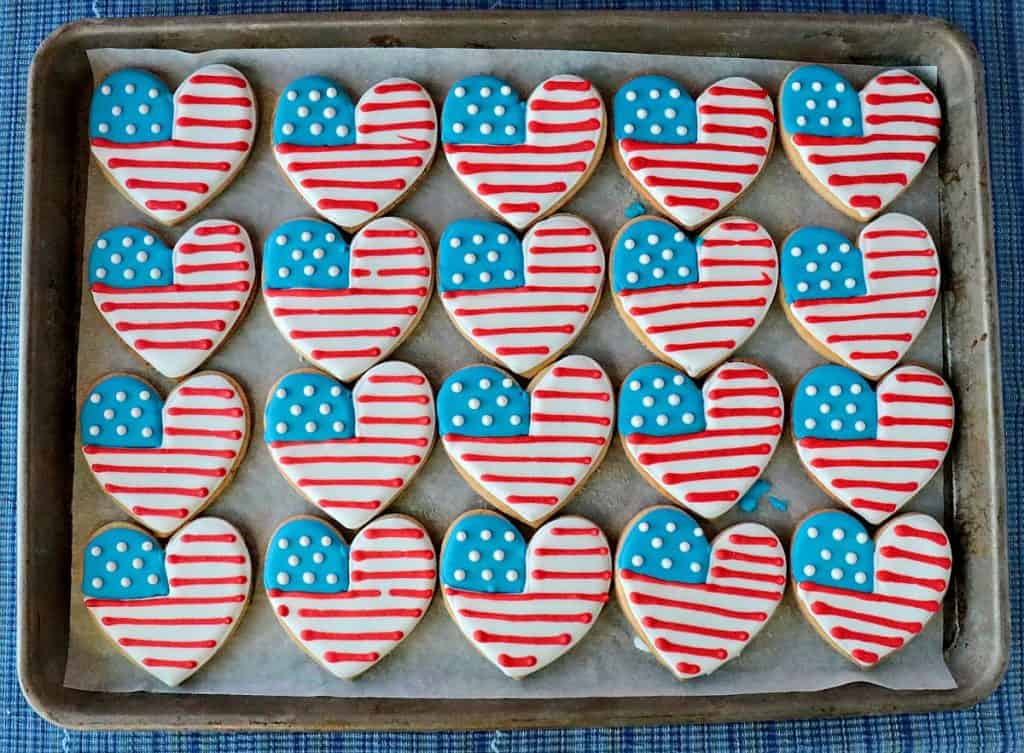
point(976, 512)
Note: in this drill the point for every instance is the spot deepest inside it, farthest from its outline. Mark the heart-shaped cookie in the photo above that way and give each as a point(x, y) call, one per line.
point(692, 159)
point(352, 163)
point(858, 150)
point(872, 449)
point(869, 598)
point(523, 160)
point(173, 308)
point(346, 607)
point(697, 604)
point(693, 303)
point(527, 451)
point(343, 306)
point(863, 305)
point(351, 452)
point(702, 447)
point(169, 609)
point(524, 607)
point(164, 461)
point(170, 156)
point(521, 302)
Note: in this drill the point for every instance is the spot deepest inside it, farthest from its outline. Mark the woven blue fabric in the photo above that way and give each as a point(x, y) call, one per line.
point(996, 26)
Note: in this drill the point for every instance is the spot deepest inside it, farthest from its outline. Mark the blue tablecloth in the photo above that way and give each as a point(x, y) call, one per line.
point(996, 26)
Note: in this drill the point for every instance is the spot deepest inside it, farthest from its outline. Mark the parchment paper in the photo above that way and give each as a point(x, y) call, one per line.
point(436, 661)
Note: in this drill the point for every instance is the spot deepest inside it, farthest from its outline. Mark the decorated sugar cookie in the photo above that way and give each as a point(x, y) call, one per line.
point(697, 604)
point(168, 608)
point(345, 305)
point(521, 606)
point(523, 160)
point(164, 460)
point(521, 302)
point(353, 162)
point(174, 308)
point(862, 305)
point(869, 598)
point(171, 155)
point(349, 607)
point(859, 150)
point(693, 302)
point(702, 447)
point(527, 451)
point(872, 448)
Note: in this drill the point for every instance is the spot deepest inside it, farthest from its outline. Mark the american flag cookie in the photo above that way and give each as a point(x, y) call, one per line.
point(697, 604)
point(868, 597)
point(523, 607)
point(859, 150)
point(872, 448)
point(171, 155)
point(523, 160)
point(527, 451)
point(353, 162)
point(168, 608)
point(162, 460)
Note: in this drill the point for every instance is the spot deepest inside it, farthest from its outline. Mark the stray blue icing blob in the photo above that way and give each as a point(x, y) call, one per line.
point(819, 263)
point(659, 401)
point(834, 402)
point(818, 101)
point(123, 563)
point(750, 501)
point(778, 503)
point(484, 553)
point(131, 107)
point(833, 548)
point(130, 257)
point(309, 407)
point(122, 411)
point(483, 110)
point(482, 401)
point(306, 254)
point(479, 255)
point(314, 111)
point(653, 253)
point(655, 109)
point(634, 210)
point(308, 556)
point(667, 544)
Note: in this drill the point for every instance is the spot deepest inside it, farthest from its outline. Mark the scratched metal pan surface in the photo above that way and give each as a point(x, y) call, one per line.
point(976, 614)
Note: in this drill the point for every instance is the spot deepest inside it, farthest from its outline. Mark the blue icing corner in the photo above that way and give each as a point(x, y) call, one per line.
point(667, 544)
point(314, 111)
point(309, 407)
point(659, 401)
point(819, 102)
point(653, 253)
point(479, 255)
point(834, 402)
point(484, 553)
point(123, 563)
point(130, 257)
point(308, 556)
point(655, 109)
point(306, 254)
point(832, 548)
point(482, 401)
point(819, 263)
point(122, 411)
point(131, 107)
point(483, 110)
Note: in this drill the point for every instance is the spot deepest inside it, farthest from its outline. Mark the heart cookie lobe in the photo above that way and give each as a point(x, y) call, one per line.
point(524, 607)
point(169, 610)
point(173, 308)
point(859, 150)
point(164, 461)
point(872, 449)
point(351, 452)
point(346, 607)
point(693, 303)
point(172, 155)
point(701, 447)
point(352, 163)
point(342, 306)
point(527, 451)
point(696, 604)
point(870, 598)
point(523, 160)
point(521, 303)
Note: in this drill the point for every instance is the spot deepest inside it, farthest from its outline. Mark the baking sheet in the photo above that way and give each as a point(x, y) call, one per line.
point(436, 661)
